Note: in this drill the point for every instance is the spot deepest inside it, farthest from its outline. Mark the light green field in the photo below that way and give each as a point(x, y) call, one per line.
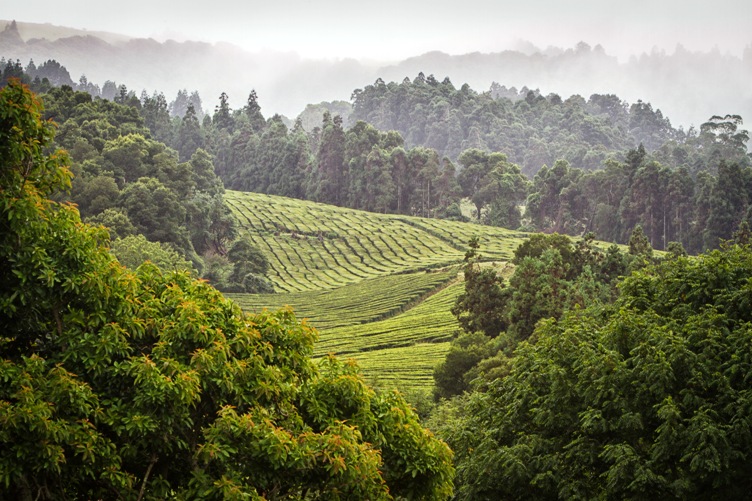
point(403, 350)
point(359, 303)
point(313, 246)
point(378, 287)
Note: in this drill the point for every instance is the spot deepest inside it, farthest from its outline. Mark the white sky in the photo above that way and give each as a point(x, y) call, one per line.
point(395, 29)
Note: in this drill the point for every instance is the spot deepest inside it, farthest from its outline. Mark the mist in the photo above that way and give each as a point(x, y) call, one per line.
point(393, 29)
point(689, 59)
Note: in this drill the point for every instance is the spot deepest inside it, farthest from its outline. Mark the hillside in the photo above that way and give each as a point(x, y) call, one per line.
point(47, 31)
point(377, 286)
point(313, 246)
point(286, 82)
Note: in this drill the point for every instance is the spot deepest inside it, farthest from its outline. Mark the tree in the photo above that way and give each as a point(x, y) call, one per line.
point(127, 157)
point(134, 250)
point(253, 112)
point(329, 183)
point(96, 194)
point(155, 211)
point(728, 201)
point(454, 374)
point(249, 265)
point(551, 275)
point(203, 173)
point(639, 245)
point(545, 206)
point(481, 307)
point(150, 385)
point(116, 221)
point(155, 111)
point(647, 399)
point(724, 135)
point(475, 169)
point(489, 180)
point(190, 137)
point(222, 119)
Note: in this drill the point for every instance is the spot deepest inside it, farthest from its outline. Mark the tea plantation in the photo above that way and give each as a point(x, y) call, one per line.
point(378, 287)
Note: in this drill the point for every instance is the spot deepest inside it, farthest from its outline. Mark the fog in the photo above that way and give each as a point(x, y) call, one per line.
point(397, 29)
point(299, 52)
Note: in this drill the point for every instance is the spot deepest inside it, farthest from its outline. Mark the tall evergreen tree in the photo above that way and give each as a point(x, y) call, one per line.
point(329, 181)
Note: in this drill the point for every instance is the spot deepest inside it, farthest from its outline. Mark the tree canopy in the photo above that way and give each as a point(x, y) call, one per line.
point(645, 398)
point(149, 384)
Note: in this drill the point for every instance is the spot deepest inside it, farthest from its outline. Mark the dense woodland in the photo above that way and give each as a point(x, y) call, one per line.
point(419, 147)
point(567, 380)
point(565, 386)
point(149, 384)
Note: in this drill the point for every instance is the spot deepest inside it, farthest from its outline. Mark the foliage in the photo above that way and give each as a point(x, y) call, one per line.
point(697, 206)
point(148, 385)
point(481, 307)
point(134, 250)
point(489, 180)
point(531, 129)
point(649, 398)
point(116, 221)
point(120, 167)
point(614, 165)
point(453, 376)
point(551, 275)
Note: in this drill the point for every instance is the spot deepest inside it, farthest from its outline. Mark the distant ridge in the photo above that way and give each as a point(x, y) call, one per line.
point(10, 35)
point(688, 87)
point(30, 31)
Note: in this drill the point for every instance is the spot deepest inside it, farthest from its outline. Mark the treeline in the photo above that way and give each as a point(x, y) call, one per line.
point(49, 74)
point(693, 187)
point(359, 167)
point(569, 381)
point(604, 166)
point(671, 204)
point(156, 206)
point(531, 129)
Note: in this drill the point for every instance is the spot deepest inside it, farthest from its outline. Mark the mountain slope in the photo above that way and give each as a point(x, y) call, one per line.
point(313, 246)
point(687, 86)
point(378, 287)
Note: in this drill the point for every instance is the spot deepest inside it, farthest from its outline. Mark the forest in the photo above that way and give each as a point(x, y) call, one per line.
point(420, 147)
point(584, 363)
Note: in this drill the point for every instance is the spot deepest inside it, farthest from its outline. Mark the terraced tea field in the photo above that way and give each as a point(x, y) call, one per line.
point(359, 303)
point(313, 246)
point(378, 287)
point(403, 350)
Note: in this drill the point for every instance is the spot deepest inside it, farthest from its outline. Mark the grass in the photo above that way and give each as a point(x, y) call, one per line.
point(403, 350)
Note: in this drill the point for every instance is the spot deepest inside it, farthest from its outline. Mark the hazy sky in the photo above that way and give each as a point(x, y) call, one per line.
point(393, 29)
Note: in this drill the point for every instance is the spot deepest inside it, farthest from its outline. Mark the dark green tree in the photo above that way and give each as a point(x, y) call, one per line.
point(116, 221)
point(639, 245)
point(155, 211)
point(481, 307)
point(329, 180)
point(647, 399)
point(222, 118)
point(151, 385)
point(252, 110)
point(190, 136)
